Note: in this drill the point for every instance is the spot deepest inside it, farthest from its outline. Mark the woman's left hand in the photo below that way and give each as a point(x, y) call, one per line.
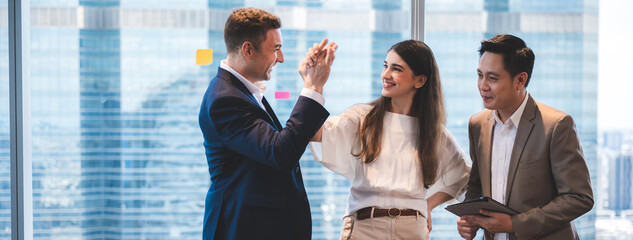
point(432, 202)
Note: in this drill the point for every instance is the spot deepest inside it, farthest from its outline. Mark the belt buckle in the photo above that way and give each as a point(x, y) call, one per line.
point(394, 215)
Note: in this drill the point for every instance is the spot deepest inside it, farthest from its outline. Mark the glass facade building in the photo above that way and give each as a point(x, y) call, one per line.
point(615, 185)
point(115, 92)
point(620, 184)
point(116, 145)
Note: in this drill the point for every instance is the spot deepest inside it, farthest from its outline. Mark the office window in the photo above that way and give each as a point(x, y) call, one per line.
point(117, 153)
point(5, 156)
point(115, 93)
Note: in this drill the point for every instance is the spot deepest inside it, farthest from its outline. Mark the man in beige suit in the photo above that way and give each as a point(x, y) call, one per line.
point(525, 154)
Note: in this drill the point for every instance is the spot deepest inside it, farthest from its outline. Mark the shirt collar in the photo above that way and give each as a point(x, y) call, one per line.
point(257, 88)
point(516, 116)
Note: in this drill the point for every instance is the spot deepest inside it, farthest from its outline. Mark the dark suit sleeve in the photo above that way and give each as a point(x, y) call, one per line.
point(571, 177)
point(474, 182)
point(242, 129)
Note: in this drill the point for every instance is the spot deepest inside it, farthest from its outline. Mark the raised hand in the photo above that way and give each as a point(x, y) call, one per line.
point(315, 67)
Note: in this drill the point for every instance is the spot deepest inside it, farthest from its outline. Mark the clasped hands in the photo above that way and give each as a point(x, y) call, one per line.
point(315, 67)
point(494, 222)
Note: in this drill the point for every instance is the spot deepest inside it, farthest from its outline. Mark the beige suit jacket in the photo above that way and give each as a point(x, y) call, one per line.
point(548, 180)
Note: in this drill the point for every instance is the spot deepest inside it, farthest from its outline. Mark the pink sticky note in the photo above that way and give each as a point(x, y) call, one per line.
point(282, 95)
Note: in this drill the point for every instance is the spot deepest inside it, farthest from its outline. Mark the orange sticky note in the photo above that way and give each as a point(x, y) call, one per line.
point(204, 56)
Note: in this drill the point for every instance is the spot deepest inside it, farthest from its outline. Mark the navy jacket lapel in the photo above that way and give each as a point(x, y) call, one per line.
point(272, 115)
point(224, 74)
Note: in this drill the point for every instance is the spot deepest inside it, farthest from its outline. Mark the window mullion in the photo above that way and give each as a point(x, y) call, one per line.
point(20, 120)
point(417, 20)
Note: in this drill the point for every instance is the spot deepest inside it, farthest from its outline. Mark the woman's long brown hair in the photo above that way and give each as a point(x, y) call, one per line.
point(427, 107)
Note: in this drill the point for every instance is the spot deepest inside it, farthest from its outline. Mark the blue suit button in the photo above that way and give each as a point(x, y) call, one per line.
point(297, 170)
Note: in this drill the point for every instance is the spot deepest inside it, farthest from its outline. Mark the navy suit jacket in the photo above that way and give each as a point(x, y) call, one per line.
point(256, 188)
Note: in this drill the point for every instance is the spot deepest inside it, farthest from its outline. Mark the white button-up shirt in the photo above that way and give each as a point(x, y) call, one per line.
point(502, 144)
point(259, 87)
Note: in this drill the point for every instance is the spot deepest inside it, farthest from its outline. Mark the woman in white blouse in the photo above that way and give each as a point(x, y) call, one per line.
point(401, 160)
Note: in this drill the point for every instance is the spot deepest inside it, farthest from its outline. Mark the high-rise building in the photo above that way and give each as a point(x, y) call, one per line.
point(612, 141)
point(116, 144)
point(614, 207)
point(621, 183)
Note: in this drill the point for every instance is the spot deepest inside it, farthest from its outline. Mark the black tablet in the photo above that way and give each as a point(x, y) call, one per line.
point(472, 207)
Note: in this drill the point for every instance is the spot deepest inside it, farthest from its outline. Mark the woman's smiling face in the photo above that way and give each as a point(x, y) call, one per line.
point(398, 80)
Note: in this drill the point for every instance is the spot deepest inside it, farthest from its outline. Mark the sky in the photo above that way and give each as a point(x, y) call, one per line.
point(615, 63)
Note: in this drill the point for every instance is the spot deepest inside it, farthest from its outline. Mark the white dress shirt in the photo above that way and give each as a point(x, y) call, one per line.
point(394, 179)
point(259, 87)
point(502, 144)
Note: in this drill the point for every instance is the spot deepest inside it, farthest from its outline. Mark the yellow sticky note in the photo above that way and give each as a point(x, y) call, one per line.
point(204, 56)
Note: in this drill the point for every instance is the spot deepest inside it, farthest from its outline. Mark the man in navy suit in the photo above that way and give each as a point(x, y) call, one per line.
point(256, 188)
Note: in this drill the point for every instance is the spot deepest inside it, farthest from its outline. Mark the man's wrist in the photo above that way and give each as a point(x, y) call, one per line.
point(314, 88)
point(314, 95)
point(511, 226)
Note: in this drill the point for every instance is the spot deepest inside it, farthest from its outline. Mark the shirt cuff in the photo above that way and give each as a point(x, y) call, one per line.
point(309, 93)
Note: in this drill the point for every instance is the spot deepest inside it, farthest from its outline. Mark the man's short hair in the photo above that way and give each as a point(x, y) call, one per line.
point(248, 24)
point(517, 57)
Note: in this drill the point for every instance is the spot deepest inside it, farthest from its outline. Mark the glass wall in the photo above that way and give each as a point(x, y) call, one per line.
point(116, 148)
point(5, 156)
point(563, 35)
point(117, 151)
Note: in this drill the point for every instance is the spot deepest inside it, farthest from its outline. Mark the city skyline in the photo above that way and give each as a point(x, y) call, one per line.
point(109, 90)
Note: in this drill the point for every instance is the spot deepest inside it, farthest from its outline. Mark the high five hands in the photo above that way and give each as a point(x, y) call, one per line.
point(315, 67)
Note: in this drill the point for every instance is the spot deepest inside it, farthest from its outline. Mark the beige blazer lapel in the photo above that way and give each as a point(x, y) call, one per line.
point(523, 133)
point(486, 141)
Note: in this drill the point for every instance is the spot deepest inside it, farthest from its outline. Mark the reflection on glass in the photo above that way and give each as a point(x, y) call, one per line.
point(117, 152)
point(116, 145)
point(564, 76)
point(5, 157)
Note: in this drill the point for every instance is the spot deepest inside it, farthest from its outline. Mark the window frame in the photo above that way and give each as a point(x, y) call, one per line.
point(20, 121)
